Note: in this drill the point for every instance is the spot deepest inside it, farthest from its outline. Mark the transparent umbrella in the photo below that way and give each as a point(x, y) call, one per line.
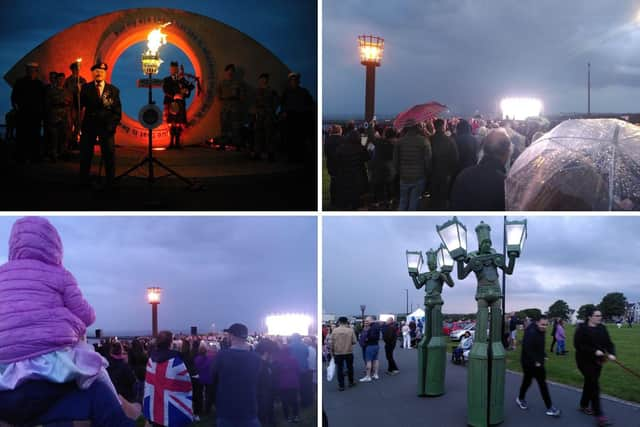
point(586, 164)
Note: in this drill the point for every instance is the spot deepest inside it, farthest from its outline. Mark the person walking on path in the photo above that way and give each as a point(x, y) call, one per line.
point(553, 334)
point(341, 342)
point(390, 338)
point(371, 350)
point(406, 337)
point(560, 338)
point(593, 346)
point(532, 361)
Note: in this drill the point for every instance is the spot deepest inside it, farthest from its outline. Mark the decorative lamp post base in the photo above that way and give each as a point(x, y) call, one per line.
point(486, 371)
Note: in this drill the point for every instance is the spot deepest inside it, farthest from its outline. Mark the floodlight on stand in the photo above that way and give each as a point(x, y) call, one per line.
point(516, 235)
point(445, 261)
point(414, 261)
point(454, 237)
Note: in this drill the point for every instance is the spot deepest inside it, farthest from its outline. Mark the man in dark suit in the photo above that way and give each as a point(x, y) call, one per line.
point(101, 112)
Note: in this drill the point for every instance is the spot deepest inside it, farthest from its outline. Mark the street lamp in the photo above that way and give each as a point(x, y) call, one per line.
point(445, 261)
point(371, 50)
point(362, 308)
point(153, 296)
point(414, 261)
point(432, 349)
point(454, 236)
point(487, 359)
point(516, 232)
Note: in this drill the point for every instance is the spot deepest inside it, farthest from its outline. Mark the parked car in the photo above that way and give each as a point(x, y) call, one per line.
point(457, 334)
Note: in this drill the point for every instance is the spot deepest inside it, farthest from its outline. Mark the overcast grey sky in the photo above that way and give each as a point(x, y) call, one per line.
point(211, 269)
point(468, 54)
point(578, 259)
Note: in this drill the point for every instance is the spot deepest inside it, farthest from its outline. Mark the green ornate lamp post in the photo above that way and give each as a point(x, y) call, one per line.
point(487, 364)
point(432, 349)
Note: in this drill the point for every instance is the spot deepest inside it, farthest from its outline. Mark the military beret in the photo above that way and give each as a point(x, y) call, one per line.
point(173, 64)
point(100, 65)
point(294, 76)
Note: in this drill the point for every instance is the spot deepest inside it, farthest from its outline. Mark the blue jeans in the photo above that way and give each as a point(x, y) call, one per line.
point(225, 422)
point(560, 347)
point(65, 404)
point(410, 194)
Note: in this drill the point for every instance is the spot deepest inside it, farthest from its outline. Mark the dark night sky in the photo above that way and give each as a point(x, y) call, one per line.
point(469, 54)
point(578, 259)
point(212, 269)
point(287, 28)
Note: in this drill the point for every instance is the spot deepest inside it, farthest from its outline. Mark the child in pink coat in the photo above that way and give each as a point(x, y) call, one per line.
point(43, 319)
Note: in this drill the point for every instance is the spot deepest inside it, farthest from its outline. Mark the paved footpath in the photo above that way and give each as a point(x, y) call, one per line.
point(392, 402)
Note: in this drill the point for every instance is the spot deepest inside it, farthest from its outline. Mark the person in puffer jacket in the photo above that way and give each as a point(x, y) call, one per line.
point(43, 320)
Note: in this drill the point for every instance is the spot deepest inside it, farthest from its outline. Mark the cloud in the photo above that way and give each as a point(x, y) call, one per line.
point(211, 269)
point(469, 54)
point(578, 259)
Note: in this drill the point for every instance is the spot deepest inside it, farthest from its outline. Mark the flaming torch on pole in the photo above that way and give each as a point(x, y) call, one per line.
point(150, 115)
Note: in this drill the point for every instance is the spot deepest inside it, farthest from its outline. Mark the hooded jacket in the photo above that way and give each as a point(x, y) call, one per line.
point(41, 307)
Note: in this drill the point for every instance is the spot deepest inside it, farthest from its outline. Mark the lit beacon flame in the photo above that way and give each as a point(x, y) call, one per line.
point(155, 39)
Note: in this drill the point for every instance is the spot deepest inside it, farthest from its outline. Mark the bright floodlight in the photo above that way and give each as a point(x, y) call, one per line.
point(288, 324)
point(520, 108)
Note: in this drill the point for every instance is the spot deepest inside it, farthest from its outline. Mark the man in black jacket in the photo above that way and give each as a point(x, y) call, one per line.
point(532, 361)
point(102, 111)
point(390, 337)
point(481, 187)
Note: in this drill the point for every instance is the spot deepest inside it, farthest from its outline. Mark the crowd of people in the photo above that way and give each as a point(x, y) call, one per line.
point(49, 373)
point(69, 114)
point(593, 347)
point(438, 164)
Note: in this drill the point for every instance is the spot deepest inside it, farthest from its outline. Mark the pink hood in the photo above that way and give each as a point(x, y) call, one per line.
point(41, 306)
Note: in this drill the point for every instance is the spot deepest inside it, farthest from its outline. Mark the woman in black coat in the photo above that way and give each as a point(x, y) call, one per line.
point(593, 347)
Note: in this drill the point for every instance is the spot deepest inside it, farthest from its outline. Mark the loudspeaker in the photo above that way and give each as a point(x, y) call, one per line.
point(194, 330)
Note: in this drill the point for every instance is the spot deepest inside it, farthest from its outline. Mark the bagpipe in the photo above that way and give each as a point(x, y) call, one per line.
point(187, 83)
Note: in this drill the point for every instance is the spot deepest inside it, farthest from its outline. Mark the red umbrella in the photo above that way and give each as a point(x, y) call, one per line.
point(419, 113)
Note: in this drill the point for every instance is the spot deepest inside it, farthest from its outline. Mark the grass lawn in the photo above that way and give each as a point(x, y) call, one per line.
point(325, 185)
point(614, 381)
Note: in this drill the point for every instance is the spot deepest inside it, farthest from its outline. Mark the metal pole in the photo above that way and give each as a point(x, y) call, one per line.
point(407, 303)
point(589, 88)
point(370, 94)
point(504, 276)
point(154, 319)
point(150, 136)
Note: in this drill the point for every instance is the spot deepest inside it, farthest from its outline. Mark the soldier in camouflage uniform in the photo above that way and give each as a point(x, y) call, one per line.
point(56, 108)
point(232, 94)
point(265, 119)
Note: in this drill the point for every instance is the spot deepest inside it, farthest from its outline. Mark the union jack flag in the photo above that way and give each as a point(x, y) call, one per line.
point(167, 393)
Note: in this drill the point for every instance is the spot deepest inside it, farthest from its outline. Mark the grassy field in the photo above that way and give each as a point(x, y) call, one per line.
point(614, 381)
point(325, 184)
